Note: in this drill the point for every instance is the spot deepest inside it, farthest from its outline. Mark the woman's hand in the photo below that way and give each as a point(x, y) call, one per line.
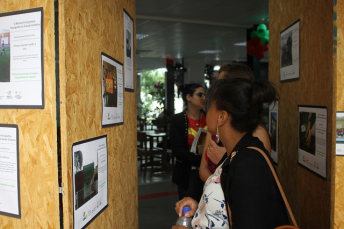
point(187, 201)
point(204, 171)
point(215, 152)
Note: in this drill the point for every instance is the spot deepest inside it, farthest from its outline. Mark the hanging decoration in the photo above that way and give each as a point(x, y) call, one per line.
point(259, 42)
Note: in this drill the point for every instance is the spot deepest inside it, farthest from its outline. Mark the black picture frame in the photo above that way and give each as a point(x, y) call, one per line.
point(16, 94)
point(14, 126)
point(290, 52)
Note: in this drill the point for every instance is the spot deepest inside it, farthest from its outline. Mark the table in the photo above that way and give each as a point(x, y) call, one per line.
point(152, 138)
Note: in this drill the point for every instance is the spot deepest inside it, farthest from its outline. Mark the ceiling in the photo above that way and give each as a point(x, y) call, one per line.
point(183, 28)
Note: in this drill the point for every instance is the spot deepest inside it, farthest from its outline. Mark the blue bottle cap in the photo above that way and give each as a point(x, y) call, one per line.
point(186, 209)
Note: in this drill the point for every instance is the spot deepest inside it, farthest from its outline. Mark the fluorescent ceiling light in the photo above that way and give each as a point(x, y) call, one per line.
point(141, 36)
point(217, 67)
point(209, 51)
point(240, 44)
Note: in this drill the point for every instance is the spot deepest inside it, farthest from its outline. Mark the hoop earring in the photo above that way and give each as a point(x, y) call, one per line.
point(217, 134)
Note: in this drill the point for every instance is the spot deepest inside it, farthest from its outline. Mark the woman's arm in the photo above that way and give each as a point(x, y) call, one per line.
point(204, 171)
point(179, 143)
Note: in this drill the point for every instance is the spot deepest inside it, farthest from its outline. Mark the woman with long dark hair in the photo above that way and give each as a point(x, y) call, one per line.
point(183, 129)
point(243, 182)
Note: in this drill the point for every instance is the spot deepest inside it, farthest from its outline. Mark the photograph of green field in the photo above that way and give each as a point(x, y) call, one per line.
point(5, 65)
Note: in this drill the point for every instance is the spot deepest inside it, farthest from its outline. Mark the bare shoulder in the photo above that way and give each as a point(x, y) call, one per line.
point(260, 131)
point(263, 135)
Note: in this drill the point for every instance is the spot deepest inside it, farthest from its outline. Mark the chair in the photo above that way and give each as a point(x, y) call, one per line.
point(142, 150)
point(156, 154)
point(141, 123)
point(150, 155)
point(170, 157)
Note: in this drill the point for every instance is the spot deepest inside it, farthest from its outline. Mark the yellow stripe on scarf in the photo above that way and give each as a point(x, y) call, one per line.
point(193, 132)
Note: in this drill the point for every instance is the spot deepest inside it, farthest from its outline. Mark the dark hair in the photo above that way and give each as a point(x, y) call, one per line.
point(242, 99)
point(188, 89)
point(237, 70)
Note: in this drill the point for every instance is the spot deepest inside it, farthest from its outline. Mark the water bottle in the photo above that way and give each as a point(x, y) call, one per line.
point(183, 220)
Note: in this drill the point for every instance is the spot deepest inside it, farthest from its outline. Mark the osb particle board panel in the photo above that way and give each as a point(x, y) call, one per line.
point(338, 38)
point(309, 195)
point(88, 28)
point(37, 138)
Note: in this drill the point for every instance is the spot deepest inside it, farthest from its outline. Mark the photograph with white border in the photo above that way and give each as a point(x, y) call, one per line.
point(340, 133)
point(112, 91)
point(290, 52)
point(312, 140)
point(90, 179)
point(21, 59)
point(128, 51)
point(273, 130)
point(9, 171)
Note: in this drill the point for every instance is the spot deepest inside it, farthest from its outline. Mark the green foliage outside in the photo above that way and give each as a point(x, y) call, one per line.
point(5, 65)
point(152, 101)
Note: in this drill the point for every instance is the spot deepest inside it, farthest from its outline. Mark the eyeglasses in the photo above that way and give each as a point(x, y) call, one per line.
point(200, 94)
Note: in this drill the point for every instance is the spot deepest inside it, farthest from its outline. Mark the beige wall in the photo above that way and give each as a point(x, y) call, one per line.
point(310, 195)
point(37, 138)
point(338, 39)
point(88, 28)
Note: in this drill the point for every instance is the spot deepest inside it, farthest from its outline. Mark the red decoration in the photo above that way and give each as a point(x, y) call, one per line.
point(255, 48)
point(169, 60)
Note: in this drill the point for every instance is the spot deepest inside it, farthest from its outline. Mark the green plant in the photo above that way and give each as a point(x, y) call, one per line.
point(152, 97)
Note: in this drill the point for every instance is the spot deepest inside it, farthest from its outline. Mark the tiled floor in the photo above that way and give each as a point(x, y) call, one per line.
point(157, 197)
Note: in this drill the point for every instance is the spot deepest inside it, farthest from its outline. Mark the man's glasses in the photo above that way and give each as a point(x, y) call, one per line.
point(200, 94)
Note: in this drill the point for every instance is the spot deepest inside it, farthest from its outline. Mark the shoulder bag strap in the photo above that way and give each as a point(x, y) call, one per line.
point(278, 184)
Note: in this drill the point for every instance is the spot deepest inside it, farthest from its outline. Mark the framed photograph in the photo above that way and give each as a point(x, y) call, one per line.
point(340, 133)
point(312, 140)
point(9, 171)
point(273, 130)
point(90, 180)
point(112, 91)
point(128, 51)
point(290, 52)
point(21, 59)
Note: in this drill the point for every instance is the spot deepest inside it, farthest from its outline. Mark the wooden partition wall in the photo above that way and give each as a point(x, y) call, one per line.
point(310, 196)
point(338, 52)
point(87, 28)
point(39, 196)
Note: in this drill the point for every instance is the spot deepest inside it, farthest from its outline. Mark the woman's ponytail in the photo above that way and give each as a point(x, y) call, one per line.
point(263, 91)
